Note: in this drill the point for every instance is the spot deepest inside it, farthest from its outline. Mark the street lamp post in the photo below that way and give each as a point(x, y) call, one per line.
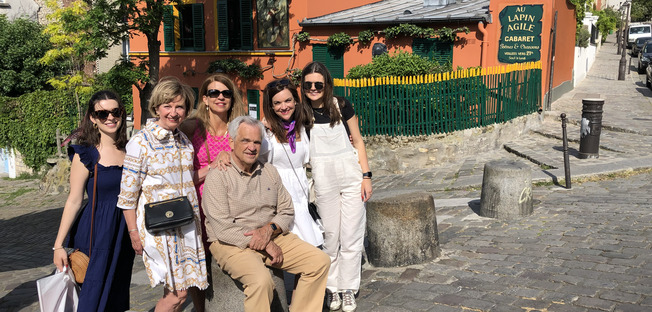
point(622, 66)
point(620, 33)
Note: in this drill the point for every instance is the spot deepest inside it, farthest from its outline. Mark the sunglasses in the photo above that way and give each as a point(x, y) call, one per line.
point(104, 114)
point(307, 85)
point(214, 93)
point(275, 83)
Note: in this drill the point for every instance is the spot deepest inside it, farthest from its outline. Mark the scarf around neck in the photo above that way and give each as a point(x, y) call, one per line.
point(291, 135)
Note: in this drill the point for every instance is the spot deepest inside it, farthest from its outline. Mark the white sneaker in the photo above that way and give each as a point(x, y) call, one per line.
point(333, 301)
point(348, 301)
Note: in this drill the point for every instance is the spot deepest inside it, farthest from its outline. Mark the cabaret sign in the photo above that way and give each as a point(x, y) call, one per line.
point(520, 36)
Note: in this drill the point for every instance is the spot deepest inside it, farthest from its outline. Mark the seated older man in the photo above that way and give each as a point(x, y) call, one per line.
point(248, 214)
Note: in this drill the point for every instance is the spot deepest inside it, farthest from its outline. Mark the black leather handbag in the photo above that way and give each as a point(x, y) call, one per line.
point(168, 214)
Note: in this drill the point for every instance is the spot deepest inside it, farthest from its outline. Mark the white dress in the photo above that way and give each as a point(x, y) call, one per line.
point(303, 225)
point(152, 171)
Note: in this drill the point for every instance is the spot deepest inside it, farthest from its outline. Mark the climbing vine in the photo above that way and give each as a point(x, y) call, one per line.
point(580, 11)
point(339, 40)
point(410, 30)
point(238, 67)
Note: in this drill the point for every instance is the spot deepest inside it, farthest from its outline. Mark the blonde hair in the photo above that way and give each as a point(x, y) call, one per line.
point(237, 104)
point(167, 89)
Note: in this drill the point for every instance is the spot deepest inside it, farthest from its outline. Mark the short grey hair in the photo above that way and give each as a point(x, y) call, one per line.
point(235, 124)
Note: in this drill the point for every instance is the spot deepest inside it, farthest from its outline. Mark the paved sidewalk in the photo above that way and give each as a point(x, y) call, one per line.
point(584, 249)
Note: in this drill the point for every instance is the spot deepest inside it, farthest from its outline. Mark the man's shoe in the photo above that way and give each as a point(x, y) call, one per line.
point(348, 301)
point(333, 301)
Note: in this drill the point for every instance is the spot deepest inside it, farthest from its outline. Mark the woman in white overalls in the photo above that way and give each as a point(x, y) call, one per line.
point(342, 183)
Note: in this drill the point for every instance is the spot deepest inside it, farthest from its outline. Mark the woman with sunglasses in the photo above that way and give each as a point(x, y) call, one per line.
point(288, 148)
point(158, 167)
point(97, 167)
point(342, 182)
point(220, 102)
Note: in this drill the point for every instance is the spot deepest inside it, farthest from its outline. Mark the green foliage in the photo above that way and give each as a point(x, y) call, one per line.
point(409, 30)
point(238, 67)
point(400, 63)
point(339, 41)
point(607, 21)
point(303, 36)
point(365, 36)
point(641, 10)
point(582, 37)
point(295, 76)
point(21, 46)
point(29, 123)
point(580, 12)
point(120, 78)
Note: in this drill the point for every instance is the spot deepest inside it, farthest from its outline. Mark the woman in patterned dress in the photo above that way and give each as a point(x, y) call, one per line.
point(158, 166)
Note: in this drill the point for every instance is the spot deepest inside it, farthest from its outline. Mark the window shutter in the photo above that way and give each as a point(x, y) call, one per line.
point(332, 58)
point(253, 97)
point(198, 26)
point(168, 28)
point(421, 47)
point(222, 25)
point(195, 90)
point(246, 25)
point(442, 52)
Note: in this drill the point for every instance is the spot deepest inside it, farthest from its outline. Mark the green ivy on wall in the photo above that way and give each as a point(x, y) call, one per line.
point(238, 67)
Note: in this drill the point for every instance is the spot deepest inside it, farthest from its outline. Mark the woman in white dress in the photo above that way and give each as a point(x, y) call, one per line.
point(288, 149)
point(159, 166)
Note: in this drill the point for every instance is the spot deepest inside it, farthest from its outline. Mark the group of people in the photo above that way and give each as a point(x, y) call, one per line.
point(246, 181)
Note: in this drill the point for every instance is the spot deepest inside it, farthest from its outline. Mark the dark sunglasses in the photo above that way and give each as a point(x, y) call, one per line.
point(307, 85)
point(275, 83)
point(104, 114)
point(214, 93)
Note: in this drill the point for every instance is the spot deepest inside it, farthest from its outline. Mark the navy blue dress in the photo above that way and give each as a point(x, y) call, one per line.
point(106, 286)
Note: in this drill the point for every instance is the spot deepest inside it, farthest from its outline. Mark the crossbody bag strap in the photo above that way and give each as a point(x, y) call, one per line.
point(208, 152)
point(295, 172)
point(90, 244)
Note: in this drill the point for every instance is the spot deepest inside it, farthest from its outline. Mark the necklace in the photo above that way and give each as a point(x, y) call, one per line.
point(318, 112)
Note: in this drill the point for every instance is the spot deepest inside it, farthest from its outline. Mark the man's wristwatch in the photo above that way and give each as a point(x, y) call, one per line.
point(366, 175)
point(275, 229)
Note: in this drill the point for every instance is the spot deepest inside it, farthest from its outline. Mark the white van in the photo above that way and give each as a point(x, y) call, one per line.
point(637, 31)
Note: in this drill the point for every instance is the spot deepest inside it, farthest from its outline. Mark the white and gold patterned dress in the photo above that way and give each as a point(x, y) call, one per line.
point(151, 173)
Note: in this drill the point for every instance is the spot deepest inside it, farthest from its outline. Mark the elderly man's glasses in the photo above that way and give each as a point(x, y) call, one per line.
point(307, 85)
point(214, 93)
point(104, 114)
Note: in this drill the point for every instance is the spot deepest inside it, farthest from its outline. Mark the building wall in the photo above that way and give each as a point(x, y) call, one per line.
point(478, 48)
point(19, 9)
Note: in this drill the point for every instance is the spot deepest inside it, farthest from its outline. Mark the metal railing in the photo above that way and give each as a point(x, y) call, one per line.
point(443, 103)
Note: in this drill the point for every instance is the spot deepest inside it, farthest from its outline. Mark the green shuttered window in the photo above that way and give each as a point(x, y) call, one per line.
point(188, 25)
point(332, 58)
point(235, 26)
point(433, 48)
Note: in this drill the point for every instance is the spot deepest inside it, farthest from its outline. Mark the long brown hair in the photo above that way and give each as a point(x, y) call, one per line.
point(300, 115)
point(202, 114)
point(329, 105)
point(89, 135)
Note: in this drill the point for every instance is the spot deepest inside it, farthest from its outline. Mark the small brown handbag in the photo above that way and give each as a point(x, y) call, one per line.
point(78, 260)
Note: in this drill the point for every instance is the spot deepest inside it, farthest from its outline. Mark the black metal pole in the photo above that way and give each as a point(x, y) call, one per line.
point(565, 143)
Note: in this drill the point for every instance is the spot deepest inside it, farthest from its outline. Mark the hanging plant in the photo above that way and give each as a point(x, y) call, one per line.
point(339, 40)
point(448, 34)
point(238, 67)
point(365, 36)
point(303, 36)
point(295, 75)
point(408, 30)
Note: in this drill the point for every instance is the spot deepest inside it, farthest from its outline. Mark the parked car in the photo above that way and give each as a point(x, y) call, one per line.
point(638, 44)
point(637, 31)
point(648, 77)
point(644, 57)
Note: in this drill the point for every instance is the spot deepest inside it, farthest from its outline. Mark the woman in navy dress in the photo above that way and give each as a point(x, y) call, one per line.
point(101, 142)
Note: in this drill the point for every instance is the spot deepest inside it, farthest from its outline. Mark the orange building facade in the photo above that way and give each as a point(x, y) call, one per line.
point(261, 32)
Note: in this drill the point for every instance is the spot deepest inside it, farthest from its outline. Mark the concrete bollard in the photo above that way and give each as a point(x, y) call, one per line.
point(226, 294)
point(506, 190)
point(402, 230)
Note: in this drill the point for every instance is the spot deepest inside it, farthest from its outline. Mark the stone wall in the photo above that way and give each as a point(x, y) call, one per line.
point(395, 155)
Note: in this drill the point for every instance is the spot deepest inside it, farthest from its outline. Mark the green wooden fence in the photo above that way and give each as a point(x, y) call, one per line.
point(443, 103)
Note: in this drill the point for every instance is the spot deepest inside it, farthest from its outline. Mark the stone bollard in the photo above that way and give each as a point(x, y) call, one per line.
point(506, 190)
point(402, 230)
point(226, 294)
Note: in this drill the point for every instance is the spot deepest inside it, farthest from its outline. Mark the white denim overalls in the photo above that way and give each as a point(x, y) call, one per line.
point(338, 179)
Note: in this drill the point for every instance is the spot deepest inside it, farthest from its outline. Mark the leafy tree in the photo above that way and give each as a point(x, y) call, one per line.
point(641, 10)
point(607, 21)
point(120, 78)
point(21, 46)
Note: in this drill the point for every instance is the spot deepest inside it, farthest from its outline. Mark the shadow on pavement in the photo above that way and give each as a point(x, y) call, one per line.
point(20, 297)
point(27, 239)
